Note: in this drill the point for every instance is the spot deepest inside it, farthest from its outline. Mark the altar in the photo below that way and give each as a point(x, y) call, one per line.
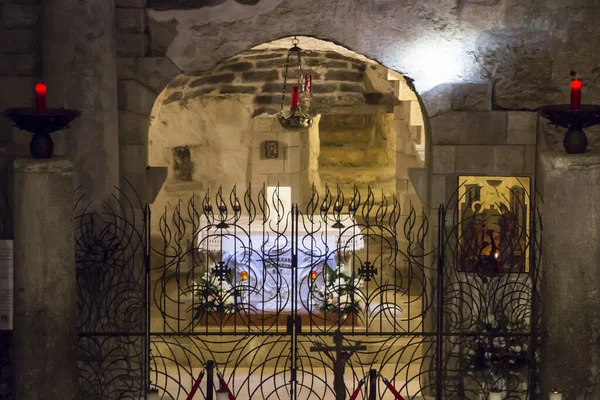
point(257, 256)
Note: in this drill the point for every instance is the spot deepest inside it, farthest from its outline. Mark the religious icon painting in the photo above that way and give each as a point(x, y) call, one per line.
point(271, 149)
point(493, 224)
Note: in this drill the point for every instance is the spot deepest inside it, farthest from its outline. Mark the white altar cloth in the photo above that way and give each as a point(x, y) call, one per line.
point(264, 252)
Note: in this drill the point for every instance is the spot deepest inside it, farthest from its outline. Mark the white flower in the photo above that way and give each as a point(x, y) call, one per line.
point(344, 299)
point(228, 300)
point(225, 286)
point(344, 270)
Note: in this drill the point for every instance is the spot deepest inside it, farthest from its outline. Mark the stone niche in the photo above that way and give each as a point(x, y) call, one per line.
point(211, 129)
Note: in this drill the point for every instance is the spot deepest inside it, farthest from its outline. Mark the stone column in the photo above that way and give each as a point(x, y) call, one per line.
point(80, 68)
point(571, 275)
point(45, 304)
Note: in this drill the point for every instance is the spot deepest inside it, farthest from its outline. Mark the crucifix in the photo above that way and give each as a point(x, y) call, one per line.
point(339, 355)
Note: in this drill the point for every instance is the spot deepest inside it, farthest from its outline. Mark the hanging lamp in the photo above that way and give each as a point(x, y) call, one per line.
point(299, 116)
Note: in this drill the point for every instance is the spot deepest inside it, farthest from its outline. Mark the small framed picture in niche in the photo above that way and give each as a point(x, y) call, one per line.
point(271, 149)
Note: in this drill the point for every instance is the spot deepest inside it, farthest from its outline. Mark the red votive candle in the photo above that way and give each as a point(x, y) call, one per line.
point(295, 97)
point(40, 97)
point(576, 94)
point(307, 83)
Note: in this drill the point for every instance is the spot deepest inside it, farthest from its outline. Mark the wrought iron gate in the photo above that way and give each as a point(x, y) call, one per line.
point(266, 290)
point(111, 261)
point(261, 287)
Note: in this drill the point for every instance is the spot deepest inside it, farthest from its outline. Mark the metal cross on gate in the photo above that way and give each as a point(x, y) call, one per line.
point(221, 270)
point(339, 359)
point(367, 271)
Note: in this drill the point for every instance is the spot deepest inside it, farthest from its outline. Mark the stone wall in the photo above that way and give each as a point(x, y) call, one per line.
point(211, 129)
point(470, 138)
point(19, 66)
point(526, 51)
point(19, 70)
point(338, 81)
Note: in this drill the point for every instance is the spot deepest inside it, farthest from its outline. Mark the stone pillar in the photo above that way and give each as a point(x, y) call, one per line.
point(45, 303)
point(571, 275)
point(80, 68)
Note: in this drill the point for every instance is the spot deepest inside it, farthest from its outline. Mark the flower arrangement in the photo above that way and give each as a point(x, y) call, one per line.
point(496, 352)
point(215, 296)
point(340, 291)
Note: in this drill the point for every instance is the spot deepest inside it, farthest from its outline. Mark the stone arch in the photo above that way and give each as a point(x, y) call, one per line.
point(406, 99)
point(429, 42)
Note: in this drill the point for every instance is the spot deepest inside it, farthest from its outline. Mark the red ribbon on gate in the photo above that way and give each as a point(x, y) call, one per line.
point(357, 390)
point(224, 385)
point(196, 386)
point(392, 389)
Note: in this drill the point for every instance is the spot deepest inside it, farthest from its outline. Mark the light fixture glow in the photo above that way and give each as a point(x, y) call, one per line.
point(435, 62)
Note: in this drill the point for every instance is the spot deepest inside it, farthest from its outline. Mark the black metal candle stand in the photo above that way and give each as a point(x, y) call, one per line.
point(41, 124)
point(575, 140)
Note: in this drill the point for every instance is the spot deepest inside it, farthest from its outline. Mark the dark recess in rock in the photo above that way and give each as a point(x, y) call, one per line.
point(183, 167)
point(256, 76)
point(222, 78)
point(231, 89)
point(373, 98)
point(199, 92)
point(237, 67)
point(266, 99)
point(173, 97)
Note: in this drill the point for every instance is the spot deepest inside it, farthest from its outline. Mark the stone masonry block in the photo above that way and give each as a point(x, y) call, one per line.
point(133, 164)
point(472, 96)
point(469, 128)
point(133, 127)
point(267, 166)
point(16, 92)
point(133, 96)
point(154, 72)
point(292, 159)
point(260, 76)
point(161, 35)
point(262, 124)
point(522, 127)
point(132, 44)
point(438, 100)
point(342, 75)
point(529, 159)
point(131, 19)
point(20, 16)
point(508, 160)
point(474, 159)
point(18, 41)
point(17, 64)
point(399, 111)
point(444, 159)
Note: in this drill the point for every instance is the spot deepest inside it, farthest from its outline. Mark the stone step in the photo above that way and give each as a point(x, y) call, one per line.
point(352, 156)
point(377, 177)
point(329, 123)
point(342, 137)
